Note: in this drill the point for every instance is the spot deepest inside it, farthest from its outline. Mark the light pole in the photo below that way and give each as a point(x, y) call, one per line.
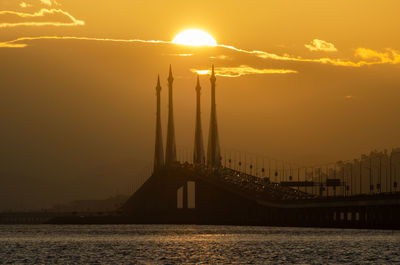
point(351, 179)
point(371, 185)
point(245, 164)
point(335, 177)
point(327, 176)
point(360, 169)
point(305, 178)
point(395, 183)
point(344, 180)
point(269, 169)
point(298, 179)
point(390, 172)
point(379, 186)
point(312, 180)
point(321, 187)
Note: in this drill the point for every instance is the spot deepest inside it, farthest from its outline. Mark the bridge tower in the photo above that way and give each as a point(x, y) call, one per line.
point(198, 154)
point(159, 151)
point(213, 152)
point(170, 156)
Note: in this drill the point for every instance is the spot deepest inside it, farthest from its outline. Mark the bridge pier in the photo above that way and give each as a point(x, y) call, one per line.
point(185, 196)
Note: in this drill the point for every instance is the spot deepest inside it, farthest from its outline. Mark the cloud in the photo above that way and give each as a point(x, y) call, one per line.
point(49, 2)
point(21, 42)
point(367, 56)
point(12, 45)
point(44, 17)
point(46, 2)
point(24, 5)
point(390, 56)
point(241, 71)
point(321, 45)
point(181, 54)
point(221, 57)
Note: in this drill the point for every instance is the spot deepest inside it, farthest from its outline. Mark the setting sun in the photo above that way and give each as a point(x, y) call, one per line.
point(194, 37)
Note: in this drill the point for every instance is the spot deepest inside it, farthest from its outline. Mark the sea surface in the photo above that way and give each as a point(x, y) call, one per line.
point(192, 244)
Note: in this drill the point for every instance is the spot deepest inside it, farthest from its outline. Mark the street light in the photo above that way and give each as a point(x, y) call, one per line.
point(395, 183)
point(371, 186)
point(348, 183)
point(379, 187)
point(393, 172)
point(390, 172)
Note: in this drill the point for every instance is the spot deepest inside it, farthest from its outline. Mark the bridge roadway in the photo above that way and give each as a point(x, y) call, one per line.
point(275, 195)
point(280, 205)
point(226, 196)
point(229, 197)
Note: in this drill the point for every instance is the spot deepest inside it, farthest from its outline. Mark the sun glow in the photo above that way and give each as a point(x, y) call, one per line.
point(194, 37)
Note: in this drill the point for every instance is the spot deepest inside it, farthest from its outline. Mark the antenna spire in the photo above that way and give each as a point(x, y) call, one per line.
point(170, 77)
point(158, 83)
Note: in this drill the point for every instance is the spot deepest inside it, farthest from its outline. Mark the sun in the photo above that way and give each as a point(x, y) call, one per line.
point(194, 37)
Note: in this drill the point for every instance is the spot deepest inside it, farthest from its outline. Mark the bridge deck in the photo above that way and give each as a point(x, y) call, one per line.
point(275, 195)
point(253, 186)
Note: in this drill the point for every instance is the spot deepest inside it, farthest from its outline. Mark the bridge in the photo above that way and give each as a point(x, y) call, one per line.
point(212, 189)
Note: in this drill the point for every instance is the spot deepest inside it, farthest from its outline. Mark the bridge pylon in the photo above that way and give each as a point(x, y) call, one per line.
point(213, 152)
point(159, 150)
point(198, 154)
point(170, 156)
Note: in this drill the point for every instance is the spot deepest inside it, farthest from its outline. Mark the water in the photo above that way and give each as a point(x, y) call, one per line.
point(177, 244)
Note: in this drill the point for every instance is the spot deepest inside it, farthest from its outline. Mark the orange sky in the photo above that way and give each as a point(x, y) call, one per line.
point(78, 111)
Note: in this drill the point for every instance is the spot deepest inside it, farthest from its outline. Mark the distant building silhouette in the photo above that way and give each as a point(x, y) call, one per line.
point(158, 152)
point(213, 152)
point(170, 156)
point(198, 153)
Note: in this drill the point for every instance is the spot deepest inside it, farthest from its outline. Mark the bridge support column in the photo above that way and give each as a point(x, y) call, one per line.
point(185, 196)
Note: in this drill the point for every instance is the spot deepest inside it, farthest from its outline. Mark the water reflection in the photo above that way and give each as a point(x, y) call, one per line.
point(169, 244)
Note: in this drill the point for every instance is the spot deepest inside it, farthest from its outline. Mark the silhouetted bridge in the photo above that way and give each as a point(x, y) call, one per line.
point(186, 193)
point(189, 194)
point(206, 192)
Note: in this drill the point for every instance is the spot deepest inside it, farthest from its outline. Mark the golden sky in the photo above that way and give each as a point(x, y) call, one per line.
point(306, 81)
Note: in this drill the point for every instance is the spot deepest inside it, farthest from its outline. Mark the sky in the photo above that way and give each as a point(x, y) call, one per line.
point(304, 81)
